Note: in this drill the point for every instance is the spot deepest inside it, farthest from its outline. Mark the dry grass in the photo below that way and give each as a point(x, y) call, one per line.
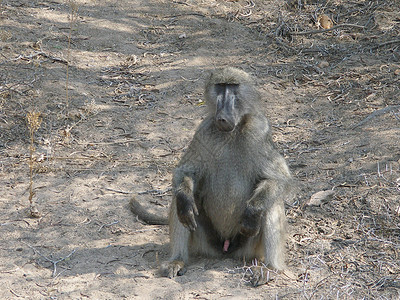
point(33, 122)
point(73, 14)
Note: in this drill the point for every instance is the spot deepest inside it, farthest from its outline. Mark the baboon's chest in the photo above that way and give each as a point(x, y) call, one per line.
point(231, 176)
point(228, 185)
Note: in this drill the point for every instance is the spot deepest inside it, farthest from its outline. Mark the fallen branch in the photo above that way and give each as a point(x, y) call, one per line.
point(156, 192)
point(37, 53)
point(377, 113)
point(326, 30)
point(118, 191)
point(385, 44)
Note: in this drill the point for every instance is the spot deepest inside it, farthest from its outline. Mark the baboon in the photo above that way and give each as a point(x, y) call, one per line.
point(230, 185)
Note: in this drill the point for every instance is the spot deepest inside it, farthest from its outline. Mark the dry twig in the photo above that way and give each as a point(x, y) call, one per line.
point(54, 262)
point(107, 225)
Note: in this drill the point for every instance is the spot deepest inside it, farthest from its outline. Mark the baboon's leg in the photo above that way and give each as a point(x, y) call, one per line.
point(179, 241)
point(274, 236)
point(265, 213)
point(273, 242)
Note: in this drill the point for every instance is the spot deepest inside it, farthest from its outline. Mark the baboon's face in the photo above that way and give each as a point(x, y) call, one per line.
point(227, 115)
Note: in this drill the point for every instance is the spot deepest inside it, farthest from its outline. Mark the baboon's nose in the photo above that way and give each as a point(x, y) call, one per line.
point(224, 125)
point(221, 120)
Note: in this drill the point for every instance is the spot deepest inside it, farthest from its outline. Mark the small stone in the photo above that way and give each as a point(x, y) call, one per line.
point(320, 198)
point(34, 212)
point(323, 64)
point(325, 22)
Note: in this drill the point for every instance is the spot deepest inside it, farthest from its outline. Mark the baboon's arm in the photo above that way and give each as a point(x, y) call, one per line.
point(263, 198)
point(273, 185)
point(184, 183)
point(185, 204)
point(264, 195)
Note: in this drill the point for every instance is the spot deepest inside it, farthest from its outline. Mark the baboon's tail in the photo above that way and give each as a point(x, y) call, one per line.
point(146, 216)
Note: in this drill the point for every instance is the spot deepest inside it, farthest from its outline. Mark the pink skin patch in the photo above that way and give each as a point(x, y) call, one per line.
point(226, 245)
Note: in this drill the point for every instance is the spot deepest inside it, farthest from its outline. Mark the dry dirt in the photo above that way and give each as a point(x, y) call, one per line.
point(135, 79)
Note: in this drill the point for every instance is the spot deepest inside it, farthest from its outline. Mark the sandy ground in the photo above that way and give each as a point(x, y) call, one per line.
point(135, 82)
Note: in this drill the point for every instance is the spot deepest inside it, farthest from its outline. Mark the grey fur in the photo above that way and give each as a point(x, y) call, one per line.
point(230, 185)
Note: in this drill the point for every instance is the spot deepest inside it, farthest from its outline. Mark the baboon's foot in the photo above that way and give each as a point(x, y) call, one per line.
point(173, 268)
point(259, 275)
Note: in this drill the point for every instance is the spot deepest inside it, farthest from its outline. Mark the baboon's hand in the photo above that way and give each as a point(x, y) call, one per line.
point(251, 221)
point(186, 209)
